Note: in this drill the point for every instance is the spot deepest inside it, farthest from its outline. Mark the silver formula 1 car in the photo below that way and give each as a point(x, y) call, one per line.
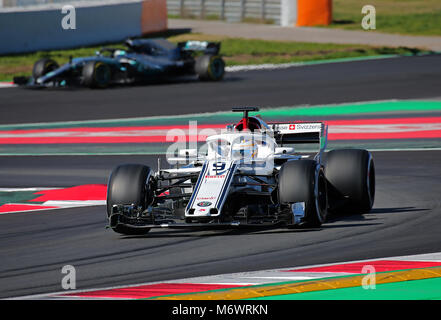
point(143, 60)
point(248, 175)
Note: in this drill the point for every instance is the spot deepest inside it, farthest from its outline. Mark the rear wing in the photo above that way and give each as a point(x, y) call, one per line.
point(300, 132)
point(205, 46)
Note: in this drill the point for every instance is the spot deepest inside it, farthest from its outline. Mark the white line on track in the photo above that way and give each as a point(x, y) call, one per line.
point(25, 189)
point(69, 204)
point(28, 211)
point(276, 66)
point(281, 278)
point(7, 85)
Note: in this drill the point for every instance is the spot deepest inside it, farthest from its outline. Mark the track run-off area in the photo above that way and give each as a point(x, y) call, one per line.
point(58, 147)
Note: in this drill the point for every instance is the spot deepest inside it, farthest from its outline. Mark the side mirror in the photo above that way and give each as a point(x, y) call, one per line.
point(284, 150)
point(188, 152)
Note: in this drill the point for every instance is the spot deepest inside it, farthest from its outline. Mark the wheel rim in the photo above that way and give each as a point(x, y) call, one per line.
point(217, 68)
point(102, 74)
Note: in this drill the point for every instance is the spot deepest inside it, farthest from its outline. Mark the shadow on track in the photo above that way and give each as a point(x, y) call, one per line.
point(364, 220)
point(394, 210)
point(139, 84)
point(331, 223)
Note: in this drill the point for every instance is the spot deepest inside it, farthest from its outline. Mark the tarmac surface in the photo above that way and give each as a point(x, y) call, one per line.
point(35, 246)
point(416, 77)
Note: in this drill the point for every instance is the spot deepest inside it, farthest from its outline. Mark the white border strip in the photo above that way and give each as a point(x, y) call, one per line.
point(217, 279)
point(7, 84)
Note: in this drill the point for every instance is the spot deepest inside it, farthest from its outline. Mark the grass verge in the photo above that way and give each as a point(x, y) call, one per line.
point(411, 17)
point(236, 51)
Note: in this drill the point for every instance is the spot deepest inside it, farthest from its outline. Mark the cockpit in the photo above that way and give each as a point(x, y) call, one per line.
point(250, 123)
point(236, 146)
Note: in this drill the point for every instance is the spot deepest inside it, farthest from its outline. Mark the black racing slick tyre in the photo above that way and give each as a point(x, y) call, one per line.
point(128, 185)
point(43, 66)
point(351, 180)
point(210, 67)
point(96, 74)
point(304, 181)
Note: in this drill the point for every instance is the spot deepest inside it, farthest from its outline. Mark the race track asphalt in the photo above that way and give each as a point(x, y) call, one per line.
point(35, 246)
point(393, 78)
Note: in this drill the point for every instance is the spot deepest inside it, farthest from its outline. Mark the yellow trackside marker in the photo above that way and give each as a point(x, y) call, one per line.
point(307, 286)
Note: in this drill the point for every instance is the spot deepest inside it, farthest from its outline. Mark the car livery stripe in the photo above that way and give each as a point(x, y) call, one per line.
point(225, 187)
point(198, 184)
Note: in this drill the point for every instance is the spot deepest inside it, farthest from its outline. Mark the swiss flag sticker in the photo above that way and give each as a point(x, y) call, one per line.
point(292, 127)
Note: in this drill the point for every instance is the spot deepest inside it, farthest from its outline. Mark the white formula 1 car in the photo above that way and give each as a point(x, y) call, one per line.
point(249, 175)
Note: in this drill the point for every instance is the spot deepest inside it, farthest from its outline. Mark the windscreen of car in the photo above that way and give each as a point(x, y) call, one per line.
point(221, 147)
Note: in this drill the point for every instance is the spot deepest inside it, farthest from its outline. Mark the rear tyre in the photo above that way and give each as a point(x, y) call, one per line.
point(43, 66)
point(128, 185)
point(96, 74)
point(304, 181)
point(351, 179)
point(210, 67)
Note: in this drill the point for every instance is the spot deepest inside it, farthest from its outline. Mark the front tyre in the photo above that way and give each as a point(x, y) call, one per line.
point(128, 185)
point(210, 67)
point(96, 74)
point(351, 178)
point(304, 181)
point(43, 67)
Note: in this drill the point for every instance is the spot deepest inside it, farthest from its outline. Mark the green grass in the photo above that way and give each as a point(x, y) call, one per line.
point(412, 17)
point(236, 51)
point(18, 197)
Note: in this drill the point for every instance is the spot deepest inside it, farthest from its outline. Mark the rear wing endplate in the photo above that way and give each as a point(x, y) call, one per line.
point(300, 132)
